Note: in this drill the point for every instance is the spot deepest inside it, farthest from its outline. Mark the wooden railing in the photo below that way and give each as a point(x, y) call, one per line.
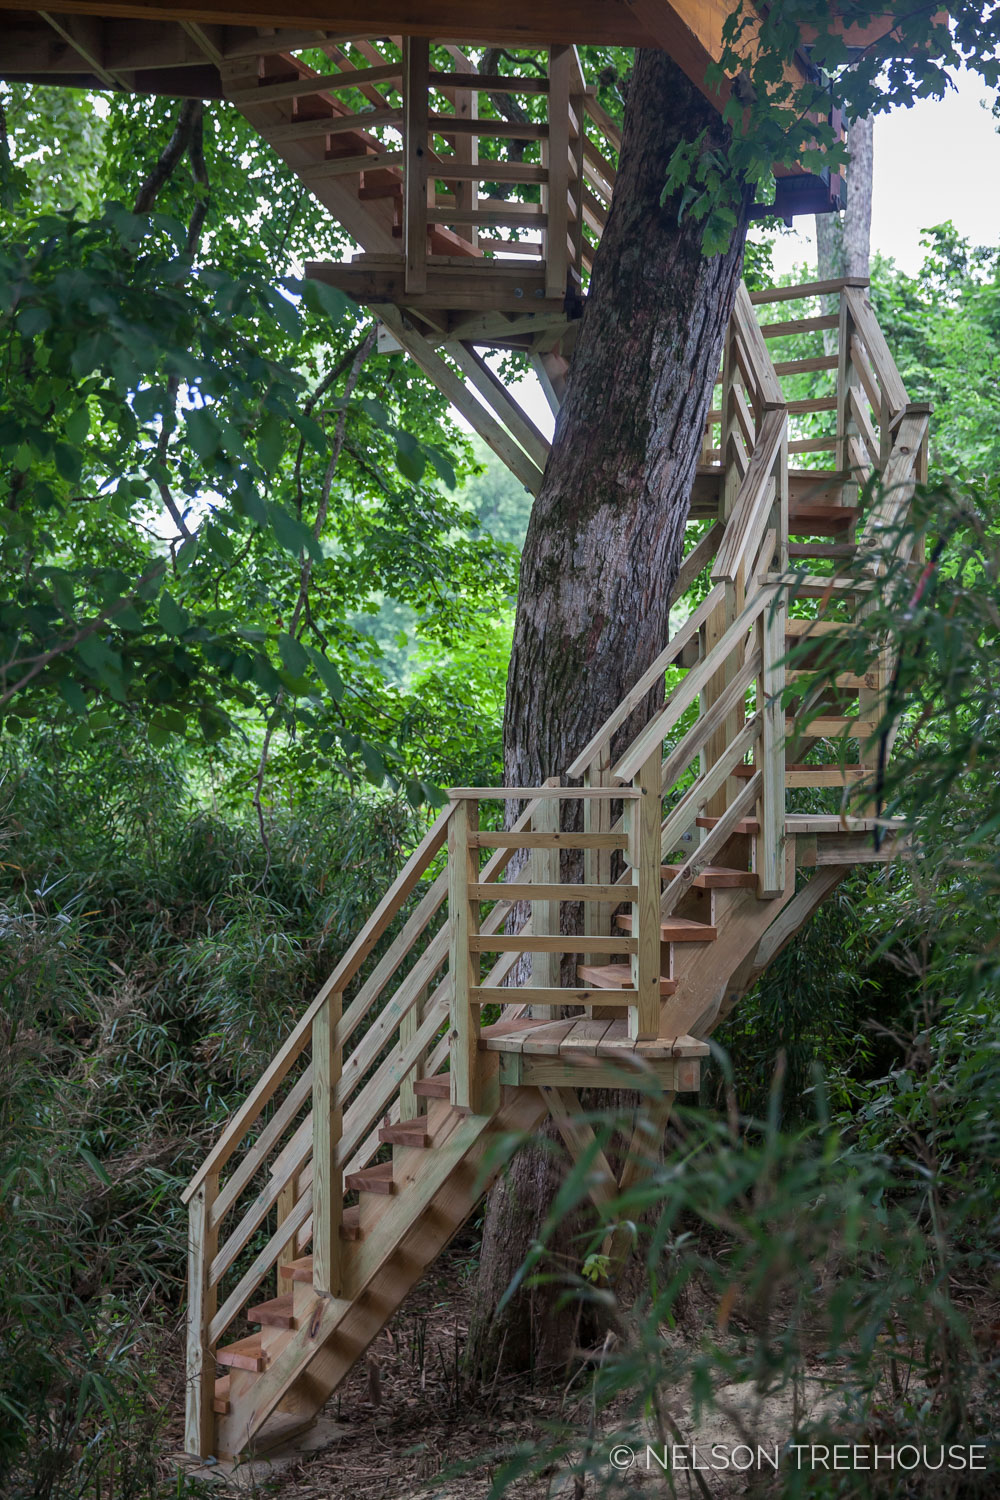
point(708, 762)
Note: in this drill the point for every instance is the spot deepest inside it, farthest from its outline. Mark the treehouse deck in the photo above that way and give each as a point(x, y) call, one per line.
point(590, 932)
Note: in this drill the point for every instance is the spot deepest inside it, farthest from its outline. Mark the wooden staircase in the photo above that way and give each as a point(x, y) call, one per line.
point(369, 1139)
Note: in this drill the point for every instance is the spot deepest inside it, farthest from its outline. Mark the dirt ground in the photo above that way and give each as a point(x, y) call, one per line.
point(405, 1426)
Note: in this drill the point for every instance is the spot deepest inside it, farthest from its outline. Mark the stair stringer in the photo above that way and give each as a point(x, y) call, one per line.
point(706, 974)
point(309, 1366)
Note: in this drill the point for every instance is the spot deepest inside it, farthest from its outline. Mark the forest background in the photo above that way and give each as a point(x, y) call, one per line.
point(257, 613)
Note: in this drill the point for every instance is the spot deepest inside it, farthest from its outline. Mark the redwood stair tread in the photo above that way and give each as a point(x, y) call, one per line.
point(438, 1087)
point(617, 977)
point(809, 518)
point(350, 1223)
point(676, 929)
point(409, 1134)
point(245, 1354)
point(279, 1312)
point(746, 825)
point(377, 1179)
point(298, 1270)
point(714, 877)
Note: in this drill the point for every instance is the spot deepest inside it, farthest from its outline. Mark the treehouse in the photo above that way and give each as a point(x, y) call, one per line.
point(475, 199)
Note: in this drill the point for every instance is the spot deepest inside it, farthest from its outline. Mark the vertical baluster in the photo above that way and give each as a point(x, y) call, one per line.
point(287, 1199)
point(410, 1103)
point(544, 867)
point(642, 815)
point(327, 1183)
point(578, 108)
point(597, 862)
point(418, 183)
point(555, 195)
point(203, 1242)
point(847, 377)
point(463, 918)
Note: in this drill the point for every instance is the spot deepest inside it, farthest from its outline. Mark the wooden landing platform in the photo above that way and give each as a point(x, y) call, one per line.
point(590, 1053)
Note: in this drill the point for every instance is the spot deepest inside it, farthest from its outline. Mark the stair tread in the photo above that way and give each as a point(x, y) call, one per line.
point(350, 1223)
point(433, 1088)
point(746, 825)
point(409, 1134)
point(245, 1354)
point(298, 1270)
point(714, 877)
point(220, 1396)
point(279, 1312)
point(617, 977)
point(676, 929)
point(375, 1179)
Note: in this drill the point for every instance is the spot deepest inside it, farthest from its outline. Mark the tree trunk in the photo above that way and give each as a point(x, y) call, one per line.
point(600, 558)
point(843, 241)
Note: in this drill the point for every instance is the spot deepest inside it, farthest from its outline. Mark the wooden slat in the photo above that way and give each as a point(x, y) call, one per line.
point(316, 83)
point(463, 960)
point(350, 166)
point(683, 815)
point(644, 856)
point(712, 844)
point(708, 723)
point(687, 691)
point(806, 289)
point(305, 130)
point(748, 520)
point(878, 350)
point(327, 1182)
point(550, 995)
point(513, 840)
point(511, 892)
point(545, 793)
point(344, 972)
point(525, 216)
point(799, 325)
point(563, 942)
point(649, 679)
point(445, 124)
point(490, 83)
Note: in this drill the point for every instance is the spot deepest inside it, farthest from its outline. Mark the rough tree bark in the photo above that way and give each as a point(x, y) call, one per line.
point(843, 241)
point(600, 557)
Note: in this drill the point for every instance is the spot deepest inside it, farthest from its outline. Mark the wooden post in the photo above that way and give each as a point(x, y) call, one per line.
point(287, 1199)
point(847, 377)
point(410, 1103)
point(770, 862)
point(543, 865)
point(203, 1242)
point(555, 194)
point(417, 183)
point(463, 920)
point(643, 821)
point(597, 862)
point(327, 1183)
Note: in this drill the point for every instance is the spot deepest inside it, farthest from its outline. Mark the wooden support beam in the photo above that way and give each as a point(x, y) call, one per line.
point(545, 918)
point(450, 385)
point(580, 1141)
point(327, 1182)
point(498, 398)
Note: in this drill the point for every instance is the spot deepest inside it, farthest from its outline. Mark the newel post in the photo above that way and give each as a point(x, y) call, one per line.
point(203, 1242)
point(327, 1183)
point(463, 925)
point(643, 825)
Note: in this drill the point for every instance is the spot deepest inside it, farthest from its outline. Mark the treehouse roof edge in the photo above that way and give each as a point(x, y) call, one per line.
point(691, 30)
